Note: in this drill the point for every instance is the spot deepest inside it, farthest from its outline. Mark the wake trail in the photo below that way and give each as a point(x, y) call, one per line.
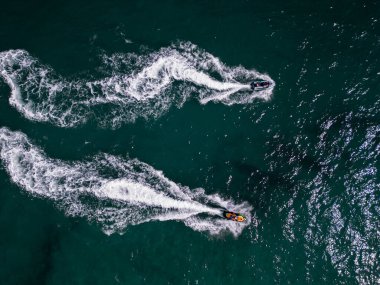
point(135, 86)
point(112, 191)
point(107, 189)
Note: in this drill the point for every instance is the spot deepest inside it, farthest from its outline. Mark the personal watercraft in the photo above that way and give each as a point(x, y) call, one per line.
point(236, 217)
point(260, 85)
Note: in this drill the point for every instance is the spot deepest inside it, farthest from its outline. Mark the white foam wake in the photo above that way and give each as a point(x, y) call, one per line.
point(135, 85)
point(112, 191)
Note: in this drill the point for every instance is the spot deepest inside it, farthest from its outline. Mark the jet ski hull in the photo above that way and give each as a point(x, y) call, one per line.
point(236, 217)
point(260, 85)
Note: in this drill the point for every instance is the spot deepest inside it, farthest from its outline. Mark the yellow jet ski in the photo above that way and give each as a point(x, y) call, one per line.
point(236, 217)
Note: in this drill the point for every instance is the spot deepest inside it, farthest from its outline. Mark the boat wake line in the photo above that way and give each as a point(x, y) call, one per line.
point(107, 189)
point(134, 86)
point(127, 192)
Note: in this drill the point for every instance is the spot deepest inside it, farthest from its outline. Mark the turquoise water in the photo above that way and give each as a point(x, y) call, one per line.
point(125, 128)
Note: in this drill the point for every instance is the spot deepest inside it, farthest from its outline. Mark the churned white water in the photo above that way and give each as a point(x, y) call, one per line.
point(112, 191)
point(135, 85)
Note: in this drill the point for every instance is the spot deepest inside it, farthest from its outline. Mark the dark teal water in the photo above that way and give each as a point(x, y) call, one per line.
point(88, 118)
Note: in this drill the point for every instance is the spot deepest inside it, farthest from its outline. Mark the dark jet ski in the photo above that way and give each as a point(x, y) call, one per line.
point(236, 217)
point(260, 85)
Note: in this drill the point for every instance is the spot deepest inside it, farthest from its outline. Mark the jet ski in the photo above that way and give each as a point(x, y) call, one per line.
point(236, 217)
point(260, 85)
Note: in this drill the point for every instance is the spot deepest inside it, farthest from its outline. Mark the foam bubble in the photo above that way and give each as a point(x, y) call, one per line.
point(112, 191)
point(136, 85)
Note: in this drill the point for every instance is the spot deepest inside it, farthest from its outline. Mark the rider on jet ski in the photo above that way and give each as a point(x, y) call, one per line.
point(260, 85)
point(236, 217)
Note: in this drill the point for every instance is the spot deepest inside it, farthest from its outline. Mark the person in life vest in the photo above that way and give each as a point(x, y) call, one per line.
point(259, 85)
point(234, 216)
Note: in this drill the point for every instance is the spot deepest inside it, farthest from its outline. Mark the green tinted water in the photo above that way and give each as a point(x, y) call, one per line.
point(307, 161)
